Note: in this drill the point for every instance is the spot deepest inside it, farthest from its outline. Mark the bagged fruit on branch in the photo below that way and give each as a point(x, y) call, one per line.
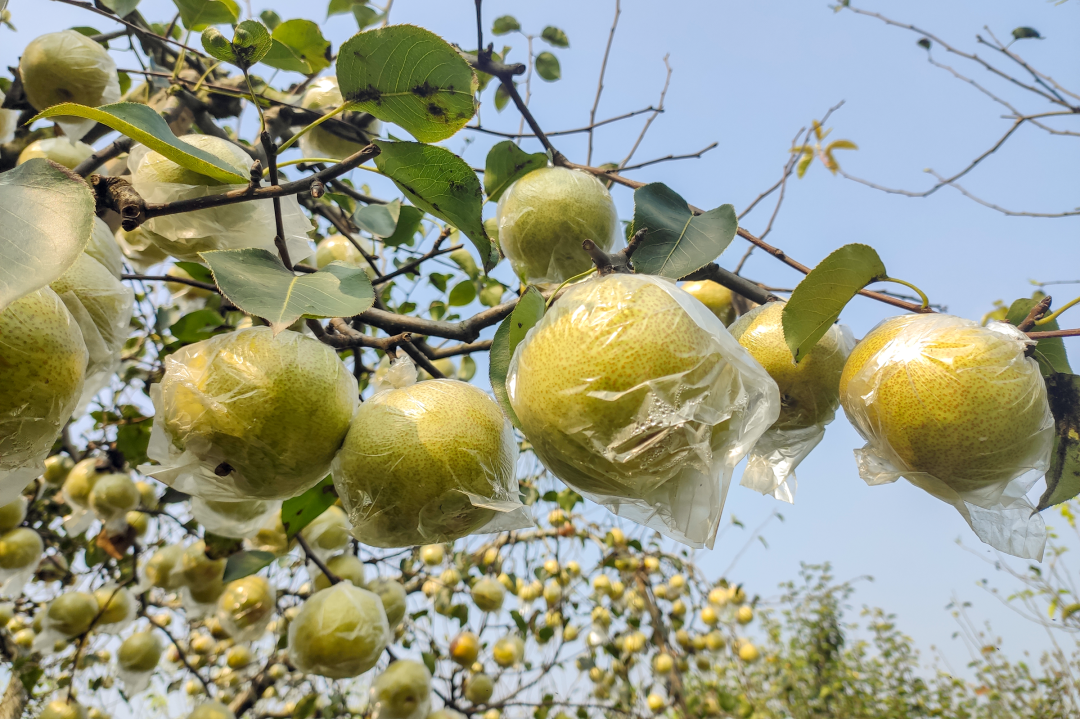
point(340, 632)
point(328, 533)
point(324, 94)
point(809, 396)
point(44, 359)
point(225, 227)
point(959, 411)
point(68, 66)
point(104, 248)
point(140, 249)
point(117, 608)
point(136, 660)
point(428, 462)
point(250, 415)
point(545, 216)
point(633, 393)
point(402, 691)
point(20, 553)
point(245, 608)
point(239, 520)
point(61, 150)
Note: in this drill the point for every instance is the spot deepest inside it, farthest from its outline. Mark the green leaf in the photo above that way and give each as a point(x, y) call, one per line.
point(441, 183)
point(1026, 33)
point(246, 563)
point(492, 293)
point(502, 97)
point(339, 7)
point(298, 46)
point(299, 512)
point(142, 124)
point(555, 36)
point(505, 163)
point(462, 294)
point(529, 311)
point(676, 242)
point(197, 326)
point(254, 280)
point(547, 66)
point(48, 217)
point(468, 368)
point(504, 25)
point(270, 18)
point(198, 272)
point(407, 225)
point(91, 32)
point(1050, 353)
point(251, 41)
point(121, 7)
point(365, 15)
point(408, 76)
point(305, 708)
point(429, 661)
point(198, 14)
point(132, 440)
point(1063, 477)
point(125, 81)
point(818, 300)
point(218, 547)
point(379, 220)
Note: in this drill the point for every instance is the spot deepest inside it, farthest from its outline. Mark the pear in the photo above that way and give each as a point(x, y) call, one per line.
point(68, 66)
point(164, 567)
point(71, 613)
point(508, 651)
point(61, 150)
point(140, 652)
point(43, 357)
point(714, 296)
point(12, 515)
point(479, 688)
point(621, 392)
point(411, 456)
point(20, 548)
point(394, 599)
point(488, 594)
point(240, 406)
point(809, 390)
point(328, 532)
point(941, 397)
point(116, 604)
point(544, 217)
point(65, 708)
point(338, 248)
point(324, 94)
point(402, 691)
point(211, 710)
point(339, 632)
point(112, 496)
point(347, 568)
point(199, 569)
point(238, 520)
point(245, 607)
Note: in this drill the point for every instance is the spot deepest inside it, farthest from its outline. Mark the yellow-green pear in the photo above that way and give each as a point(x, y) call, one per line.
point(943, 397)
point(488, 594)
point(164, 567)
point(324, 94)
point(19, 548)
point(340, 632)
point(211, 710)
point(402, 691)
point(809, 390)
point(328, 532)
point(346, 567)
point(714, 296)
point(44, 363)
point(338, 248)
point(60, 150)
point(394, 599)
point(113, 495)
point(546, 215)
point(241, 406)
point(56, 469)
point(71, 613)
point(115, 604)
point(140, 652)
point(411, 456)
point(479, 688)
point(13, 514)
point(245, 607)
point(63, 708)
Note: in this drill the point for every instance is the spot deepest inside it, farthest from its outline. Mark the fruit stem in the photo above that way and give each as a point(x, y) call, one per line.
point(1054, 315)
point(575, 278)
point(920, 293)
point(337, 111)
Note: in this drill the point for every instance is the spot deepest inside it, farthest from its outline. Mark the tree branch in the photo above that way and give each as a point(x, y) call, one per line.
point(600, 82)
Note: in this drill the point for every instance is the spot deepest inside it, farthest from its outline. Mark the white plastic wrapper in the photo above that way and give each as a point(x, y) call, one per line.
point(44, 359)
point(239, 520)
point(959, 411)
point(104, 248)
point(20, 554)
point(140, 249)
point(101, 305)
point(65, 617)
point(340, 632)
point(323, 94)
point(229, 227)
point(61, 150)
point(809, 397)
point(635, 395)
point(136, 660)
point(9, 122)
point(545, 216)
point(68, 66)
point(328, 533)
point(428, 462)
point(235, 417)
point(402, 691)
point(119, 607)
point(245, 608)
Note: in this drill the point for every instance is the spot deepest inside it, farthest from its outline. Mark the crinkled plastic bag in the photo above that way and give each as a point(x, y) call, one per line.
point(246, 607)
point(428, 462)
point(227, 227)
point(340, 632)
point(13, 579)
point(238, 520)
point(101, 305)
point(544, 217)
point(958, 410)
point(84, 72)
point(44, 356)
point(140, 249)
point(393, 692)
point(635, 395)
point(809, 397)
point(104, 248)
point(247, 415)
point(324, 94)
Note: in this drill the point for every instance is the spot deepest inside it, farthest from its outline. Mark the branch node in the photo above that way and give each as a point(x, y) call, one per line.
point(1040, 309)
point(117, 194)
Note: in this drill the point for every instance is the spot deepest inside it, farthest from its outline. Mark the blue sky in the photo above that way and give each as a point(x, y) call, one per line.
point(748, 75)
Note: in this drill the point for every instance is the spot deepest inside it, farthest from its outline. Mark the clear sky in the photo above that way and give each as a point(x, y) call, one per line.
point(748, 75)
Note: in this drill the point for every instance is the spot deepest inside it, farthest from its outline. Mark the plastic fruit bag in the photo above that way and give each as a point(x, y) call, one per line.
point(428, 462)
point(239, 520)
point(958, 410)
point(633, 393)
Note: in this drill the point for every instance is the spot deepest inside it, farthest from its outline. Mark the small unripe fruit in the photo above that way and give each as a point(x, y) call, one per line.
point(12, 515)
point(210, 709)
point(245, 607)
point(655, 702)
point(140, 652)
point(402, 691)
point(718, 596)
point(238, 657)
point(678, 608)
point(347, 567)
point(148, 498)
point(113, 495)
point(488, 594)
point(745, 615)
point(340, 632)
point(63, 709)
point(464, 648)
point(602, 583)
point(71, 613)
point(138, 521)
point(709, 617)
point(652, 564)
point(57, 468)
point(714, 641)
point(20, 548)
point(552, 593)
point(479, 688)
point(748, 652)
point(663, 663)
point(163, 569)
point(24, 638)
point(115, 604)
point(394, 599)
point(570, 633)
point(508, 651)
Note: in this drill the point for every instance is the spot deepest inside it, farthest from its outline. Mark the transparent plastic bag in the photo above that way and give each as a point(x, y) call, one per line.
point(118, 608)
point(44, 357)
point(20, 553)
point(68, 66)
point(101, 305)
point(402, 691)
point(633, 394)
point(328, 533)
point(239, 520)
point(958, 410)
point(428, 462)
point(104, 248)
point(245, 608)
point(544, 217)
point(61, 150)
point(140, 249)
point(227, 227)
point(235, 416)
point(340, 632)
point(323, 94)
point(809, 396)
point(9, 121)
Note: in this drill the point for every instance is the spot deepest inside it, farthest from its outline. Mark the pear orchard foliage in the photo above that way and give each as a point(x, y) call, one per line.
point(246, 470)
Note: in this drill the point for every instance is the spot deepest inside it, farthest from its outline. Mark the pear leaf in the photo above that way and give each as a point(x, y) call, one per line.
point(1049, 353)
point(506, 162)
point(1063, 477)
point(529, 310)
point(197, 15)
point(676, 242)
point(245, 563)
point(299, 512)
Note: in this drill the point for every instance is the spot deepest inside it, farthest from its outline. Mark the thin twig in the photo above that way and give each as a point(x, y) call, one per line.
point(556, 133)
point(600, 82)
point(668, 158)
point(333, 578)
point(648, 123)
